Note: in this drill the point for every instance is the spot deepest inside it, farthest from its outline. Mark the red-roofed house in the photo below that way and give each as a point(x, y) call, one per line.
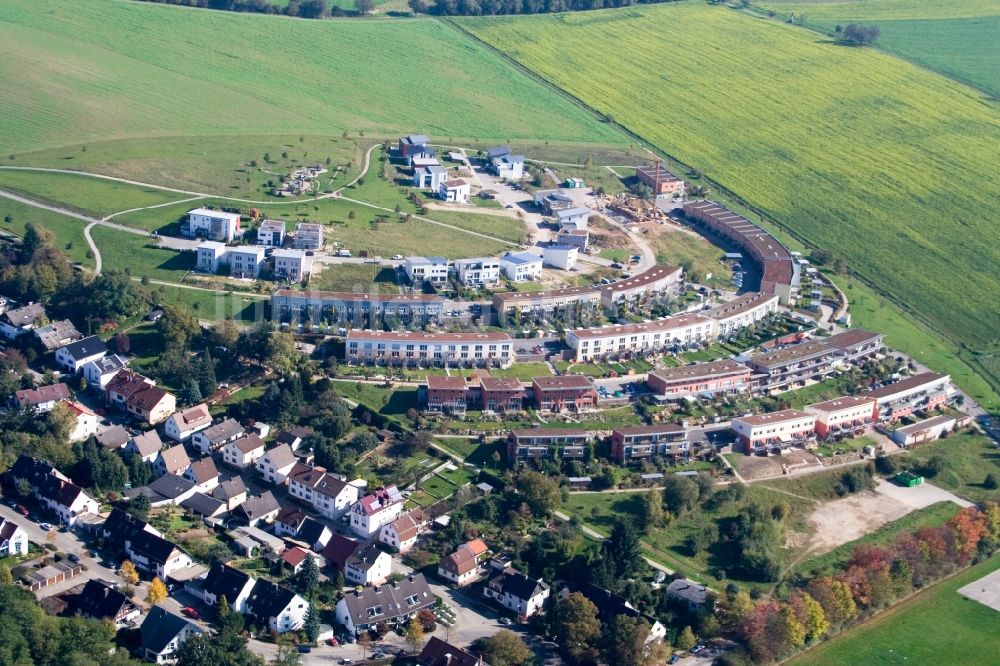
point(502, 394)
point(86, 421)
point(402, 533)
point(294, 557)
point(565, 392)
point(375, 510)
point(41, 399)
point(446, 395)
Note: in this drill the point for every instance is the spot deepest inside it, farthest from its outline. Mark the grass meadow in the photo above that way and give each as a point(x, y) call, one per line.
point(76, 72)
point(938, 625)
point(67, 232)
point(955, 37)
point(877, 160)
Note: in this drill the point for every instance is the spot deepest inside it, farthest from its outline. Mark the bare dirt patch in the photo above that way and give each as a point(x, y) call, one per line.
point(759, 467)
point(844, 520)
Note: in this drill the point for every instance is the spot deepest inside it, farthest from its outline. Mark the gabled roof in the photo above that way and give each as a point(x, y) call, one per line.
point(230, 489)
point(293, 517)
point(365, 557)
point(688, 590)
point(371, 605)
point(100, 601)
point(192, 417)
point(407, 525)
point(268, 600)
point(63, 493)
point(24, 316)
point(256, 507)
point(294, 556)
point(108, 364)
point(338, 549)
point(225, 581)
point(380, 500)
point(222, 432)
point(281, 456)
point(152, 547)
point(171, 486)
point(127, 382)
point(203, 470)
point(121, 526)
point(147, 443)
point(477, 546)
point(203, 504)
point(53, 335)
point(311, 531)
point(513, 582)
point(7, 529)
point(91, 346)
point(439, 653)
point(175, 459)
point(459, 562)
point(147, 397)
point(247, 443)
point(114, 437)
point(161, 627)
point(37, 396)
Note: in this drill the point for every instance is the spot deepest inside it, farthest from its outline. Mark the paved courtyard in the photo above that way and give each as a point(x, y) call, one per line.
point(986, 590)
point(919, 496)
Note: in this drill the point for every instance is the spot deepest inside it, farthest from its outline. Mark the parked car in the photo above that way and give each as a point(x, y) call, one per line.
point(504, 621)
point(674, 658)
point(345, 660)
point(23, 511)
point(697, 648)
point(45, 526)
point(191, 613)
point(304, 649)
point(73, 557)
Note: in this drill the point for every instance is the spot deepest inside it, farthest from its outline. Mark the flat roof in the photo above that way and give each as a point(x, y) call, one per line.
point(774, 417)
point(852, 338)
point(208, 212)
point(520, 258)
point(649, 429)
point(353, 296)
point(926, 424)
point(416, 336)
point(843, 402)
point(649, 276)
point(660, 325)
point(711, 368)
point(549, 432)
point(557, 383)
point(573, 212)
point(906, 384)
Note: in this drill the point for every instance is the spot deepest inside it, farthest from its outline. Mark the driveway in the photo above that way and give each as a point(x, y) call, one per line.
point(919, 496)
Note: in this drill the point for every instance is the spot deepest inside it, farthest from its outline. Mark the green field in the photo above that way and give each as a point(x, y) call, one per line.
point(84, 194)
point(877, 160)
point(133, 253)
point(76, 72)
point(67, 232)
point(955, 37)
point(937, 626)
point(354, 277)
point(966, 459)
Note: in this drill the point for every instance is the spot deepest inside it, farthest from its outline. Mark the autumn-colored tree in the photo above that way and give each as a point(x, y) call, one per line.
point(969, 527)
point(753, 623)
point(364, 640)
point(574, 622)
point(686, 639)
point(835, 598)
point(6, 577)
point(427, 618)
point(880, 588)
point(415, 634)
point(810, 613)
point(991, 514)
point(157, 592)
point(128, 573)
point(733, 608)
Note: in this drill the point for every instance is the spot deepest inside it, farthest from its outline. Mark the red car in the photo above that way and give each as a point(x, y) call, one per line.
point(24, 512)
point(191, 613)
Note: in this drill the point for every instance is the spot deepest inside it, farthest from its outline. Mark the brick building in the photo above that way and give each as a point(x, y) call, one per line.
point(572, 393)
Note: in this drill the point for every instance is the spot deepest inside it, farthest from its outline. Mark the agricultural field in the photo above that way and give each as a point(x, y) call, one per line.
point(855, 165)
point(91, 196)
point(938, 625)
point(218, 165)
point(955, 37)
point(114, 70)
point(67, 232)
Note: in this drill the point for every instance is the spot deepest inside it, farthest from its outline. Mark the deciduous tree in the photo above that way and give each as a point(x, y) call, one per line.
point(157, 592)
point(505, 648)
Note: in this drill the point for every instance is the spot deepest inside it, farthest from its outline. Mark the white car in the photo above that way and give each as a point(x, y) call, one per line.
point(45, 526)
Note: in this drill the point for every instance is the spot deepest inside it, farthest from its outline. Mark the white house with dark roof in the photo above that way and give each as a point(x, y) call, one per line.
point(155, 555)
point(98, 373)
point(226, 581)
point(395, 604)
point(521, 266)
point(13, 538)
point(275, 465)
point(328, 494)
point(454, 190)
point(182, 425)
point(505, 164)
point(162, 633)
point(243, 452)
point(375, 510)
point(260, 508)
point(277, 607)
point(215, 437)
point(68, 500)
point(77, 354)
point(517, 592)
point(695, 595)
point(573, 219)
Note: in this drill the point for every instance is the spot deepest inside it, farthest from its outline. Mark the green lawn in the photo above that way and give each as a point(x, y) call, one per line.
point(523, 371)
point(460, 446)
point(354, 277)
point(966, 460)
point(458, 476)
point(800, 161)
point(108, 69)
point(937, 626)
point(92, 196)
point(137, 254)
point(834, 561)
point(955, 37)
point(209, 306)
point(438, 487)
point(391, 403)
point(677, 247)
point(67, 232)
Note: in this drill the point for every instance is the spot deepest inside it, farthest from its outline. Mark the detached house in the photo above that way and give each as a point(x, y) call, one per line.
point(276, 607)
point(330, 495)
point(203, 474)
point(361, 563)
point(225, 581)
point(147, 446)
point(100, 600)
point(172, 461)
point(151, 405)
point(13, 539)
point(233, 492)
point(75, 355)
point(21, 320)
point(98, 373)
point(56, 335)
point(462, 566)
point(275, 465)
point(243, 452)
point(375, 510)
point(162, 633)
point(85, 421)
point(42, 399)
point(215, 437)
point(256, 509)
point(395, 604)
point(439, 653)
point(66, 499)
point(516, 592)
point(156, 555)
point(121, 387)
point(402, 533)
point(182, 425)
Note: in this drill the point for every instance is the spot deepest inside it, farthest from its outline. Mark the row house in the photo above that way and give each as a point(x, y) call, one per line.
point(501, 394)
point(777, 431)
point(637, 292)
point(332, 496)
point(358, 310)
point(182, 425)
point(920, 392)
point(478, 272)
point(401, 534)
point(217, 436)
point(446, 395)
point(742, 312)
point(572, 393)
point(843, 415)
point(75, 355)
point(566, 304)
point(376, 509)
point(722, 376)
point(785, 368)
point(394, 604)
point(146, 445)
point(650, 337)
point(535, 443)
point(466, 349)
point(641, 442)
point(857, 344)
point(453, 395)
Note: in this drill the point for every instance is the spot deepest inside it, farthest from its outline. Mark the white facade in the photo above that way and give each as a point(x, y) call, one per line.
point(275, 464)
point(327, 494)
point(245, 261)
point(741, 312)
point(573, 218)
point(455, 190)
point(86, 421)
point(291, 265)
point(81, 504)
point(243, 452)
point(427, 269)
point(429, 176)
point(483, 271)
point(589, 343)
point(210, 255)
point(308, 236)
point(98, 373)
point(560, 256)
point(375, 510)
point(374, 574)
point(182, 425)
point(271, 233)
point(213, 224)
point(77, 354)
point(521, 266)
point(434, 348)
point(13, 539)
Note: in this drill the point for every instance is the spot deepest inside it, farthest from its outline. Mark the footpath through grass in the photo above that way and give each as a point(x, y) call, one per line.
point(852, 161)
point(937, 626)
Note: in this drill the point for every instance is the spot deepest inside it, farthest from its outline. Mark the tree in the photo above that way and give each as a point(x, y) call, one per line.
point(178, 327)
point(813, 617)
point(652, 511)
point(540, 492)
point(6, 577)
point(311, 624)
point(128, 573)
point(625, 642)
point(622, 552)
point(505, 648)
point(860, 35)
point(191, 395)
point(61, 421)
point(139, 473)
point(138, 507)
point(836, 599)
point(228, 621)
point(122, 343)
point(157, 592)
point(224, 649)
point(364, 640)
point(686, 639)
point(415, 634)
point(308, 576)
point(207, 381)
point(991, 482)
point(113, 295)
point(427, 618)
point(364, 7)
point(574, 623)
point(680, 494)
point(287, 653)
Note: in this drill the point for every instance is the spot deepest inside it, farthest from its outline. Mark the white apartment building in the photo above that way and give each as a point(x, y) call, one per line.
point(481, 271)
point(560, 256)
point(291, 265)
point(591, 343)
point(330, 495)
point(375, 510)
point(760, 433)
point(271, 233)
point(521, 266)
point(210, 254)
point(308, 236)
point(436, 348)
point(245, 261)
point(427, 269)
point(213, 224)
point(743, 311)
